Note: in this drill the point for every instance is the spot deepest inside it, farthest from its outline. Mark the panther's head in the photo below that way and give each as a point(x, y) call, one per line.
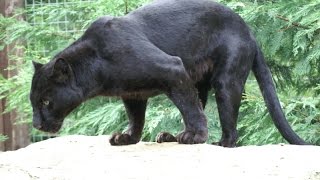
point(54, 94)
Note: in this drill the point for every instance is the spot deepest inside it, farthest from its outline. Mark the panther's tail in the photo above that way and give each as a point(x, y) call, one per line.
point(264, 78)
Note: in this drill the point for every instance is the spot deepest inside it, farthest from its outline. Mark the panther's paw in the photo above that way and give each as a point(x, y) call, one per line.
point(119, 139)
point(228, 140)
point(190, 137)
point(225, 144)
point(165, 137)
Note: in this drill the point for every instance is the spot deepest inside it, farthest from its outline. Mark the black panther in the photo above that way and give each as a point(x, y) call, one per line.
point(180, 48)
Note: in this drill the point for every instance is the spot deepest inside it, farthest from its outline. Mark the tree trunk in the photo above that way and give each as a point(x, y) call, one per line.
point(18, 134)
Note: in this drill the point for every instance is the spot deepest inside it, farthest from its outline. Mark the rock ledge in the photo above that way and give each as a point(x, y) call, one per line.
point(85, 157)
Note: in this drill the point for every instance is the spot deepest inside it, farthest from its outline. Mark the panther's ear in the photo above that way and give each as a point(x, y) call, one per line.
point(61, 71)
point(36, 65)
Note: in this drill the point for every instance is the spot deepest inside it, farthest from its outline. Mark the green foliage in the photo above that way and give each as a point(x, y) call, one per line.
point(3, 138)
point(288, 32)
point(302, 112)
point(108, 117)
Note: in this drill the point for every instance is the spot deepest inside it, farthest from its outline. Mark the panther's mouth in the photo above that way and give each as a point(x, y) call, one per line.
point(49, 127)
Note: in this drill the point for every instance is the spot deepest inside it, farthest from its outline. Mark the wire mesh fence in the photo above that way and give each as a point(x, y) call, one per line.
point(66, 24)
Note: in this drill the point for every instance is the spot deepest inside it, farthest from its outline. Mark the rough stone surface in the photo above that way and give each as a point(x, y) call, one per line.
point(84, 157)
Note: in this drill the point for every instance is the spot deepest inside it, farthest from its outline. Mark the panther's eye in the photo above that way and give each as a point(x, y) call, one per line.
point(45, 102)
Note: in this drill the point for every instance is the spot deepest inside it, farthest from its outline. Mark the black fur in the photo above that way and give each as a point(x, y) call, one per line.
point(182, 48)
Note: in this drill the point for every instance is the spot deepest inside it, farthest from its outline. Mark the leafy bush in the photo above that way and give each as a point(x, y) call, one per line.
point(287, 31)
point(255, 124)
point(289, 34)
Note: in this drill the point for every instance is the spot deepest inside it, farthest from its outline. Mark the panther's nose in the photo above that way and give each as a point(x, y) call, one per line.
point(36, 123)
point(37, 126)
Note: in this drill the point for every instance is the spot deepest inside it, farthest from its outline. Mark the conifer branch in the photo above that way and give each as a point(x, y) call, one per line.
point(293, 23)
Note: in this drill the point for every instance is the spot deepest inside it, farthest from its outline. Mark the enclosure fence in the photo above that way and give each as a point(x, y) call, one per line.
point(65, 25)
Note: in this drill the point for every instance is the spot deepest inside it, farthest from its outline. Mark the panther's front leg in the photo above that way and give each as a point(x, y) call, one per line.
point(185, 97)
point(135, 109)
